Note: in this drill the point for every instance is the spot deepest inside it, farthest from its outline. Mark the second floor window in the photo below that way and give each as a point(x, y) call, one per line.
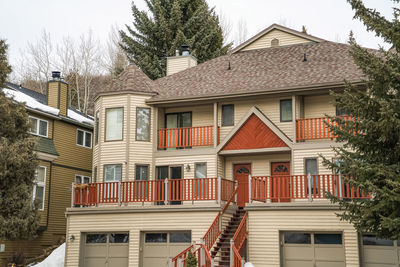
point(114, 124)
point(84, 138)
point(227, 115)
point(112, 173)
point(142, 172)
point(143, 124)
point(40, 186)
point(38, 126)
point(81, 179)
point(96, 133)
point(286, 110)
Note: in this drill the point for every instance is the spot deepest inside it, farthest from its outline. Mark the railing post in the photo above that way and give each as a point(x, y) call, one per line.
point(170, 262)
point(179, 262)
point(219, 191)
point(231, 259)
point(309, 185)
point(212, 262)
point(72, 195)
point(202, 253)
point(166, 191)
point(242, 263)
point(119, 193)
point(250, 198)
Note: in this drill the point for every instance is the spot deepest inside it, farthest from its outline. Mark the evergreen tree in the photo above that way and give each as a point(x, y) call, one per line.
point(191, 260)
point(19, 218)
point(371, 154)
point(170, 24)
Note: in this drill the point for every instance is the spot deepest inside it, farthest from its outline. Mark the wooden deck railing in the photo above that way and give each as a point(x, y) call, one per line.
point(284, 188)
point(186, 137)
point(165, 191)
point(237, 242)
point(316, 128)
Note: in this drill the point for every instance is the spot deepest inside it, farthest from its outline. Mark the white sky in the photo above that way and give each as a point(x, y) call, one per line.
point(23, 20)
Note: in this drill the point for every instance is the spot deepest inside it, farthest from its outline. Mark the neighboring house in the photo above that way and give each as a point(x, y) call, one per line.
point(228, 149)
point(64, 150)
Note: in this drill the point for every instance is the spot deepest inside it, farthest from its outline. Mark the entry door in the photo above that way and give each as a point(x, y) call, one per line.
point(175, 186)
point(280, 181)
point(179, 120)
point(241, 175)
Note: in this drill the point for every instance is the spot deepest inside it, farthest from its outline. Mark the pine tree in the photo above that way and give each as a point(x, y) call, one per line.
point(371, 154)
point(191, 260)
point(170, 24)
point(19, 218)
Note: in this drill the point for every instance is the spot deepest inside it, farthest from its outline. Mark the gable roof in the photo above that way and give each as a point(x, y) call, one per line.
point(270, 70)
point(132, 79)
point(276, 27)
point(255, 131)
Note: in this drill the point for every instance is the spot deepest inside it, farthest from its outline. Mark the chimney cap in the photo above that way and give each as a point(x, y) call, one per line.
point(185, 49)
point(56, 75)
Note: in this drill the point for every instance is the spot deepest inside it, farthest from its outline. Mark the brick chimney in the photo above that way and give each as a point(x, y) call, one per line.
point(57, 93)
point(181, 61)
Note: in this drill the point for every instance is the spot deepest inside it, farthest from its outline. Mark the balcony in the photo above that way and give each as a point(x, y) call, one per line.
point(159, 192)
point(315, 128)
point(186, 137)
point(307, 187)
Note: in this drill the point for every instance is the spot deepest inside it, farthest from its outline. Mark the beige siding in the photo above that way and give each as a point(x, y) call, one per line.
point(202, 115)
point(260, 165)
point(177, 64)
point(318, 105)
point(264, 228)
point(283, 37)
point(301, 154)
point(197, 222)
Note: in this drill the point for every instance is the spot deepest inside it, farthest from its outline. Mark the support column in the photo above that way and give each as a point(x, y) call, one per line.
point(215, 130)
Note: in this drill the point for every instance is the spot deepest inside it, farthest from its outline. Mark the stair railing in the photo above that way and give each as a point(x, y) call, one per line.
point(208, 240)
point(237, 242)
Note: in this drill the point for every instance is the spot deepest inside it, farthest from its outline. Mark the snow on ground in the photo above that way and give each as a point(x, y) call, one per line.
point(29, 101)
point(78, 117)
point(55, 259)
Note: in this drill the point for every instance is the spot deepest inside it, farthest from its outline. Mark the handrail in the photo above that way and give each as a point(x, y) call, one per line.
point(237, 242)
point(229, 201)
point(183, 253)
point(185, 137)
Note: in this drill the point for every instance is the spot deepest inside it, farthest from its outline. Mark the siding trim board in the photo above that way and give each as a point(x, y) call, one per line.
point(71, 167)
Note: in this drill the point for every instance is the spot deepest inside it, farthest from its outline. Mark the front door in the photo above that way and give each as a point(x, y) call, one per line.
point(241, 175)
point(280, 181)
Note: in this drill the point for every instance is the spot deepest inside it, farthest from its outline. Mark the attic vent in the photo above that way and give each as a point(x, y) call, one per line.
point(274, 42)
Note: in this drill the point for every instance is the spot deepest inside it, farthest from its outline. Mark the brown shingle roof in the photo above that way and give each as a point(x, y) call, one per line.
point(263, 70)
point(132, 79)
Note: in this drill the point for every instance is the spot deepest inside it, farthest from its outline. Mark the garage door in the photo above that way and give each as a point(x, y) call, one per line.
point(379, 252)
point(106, 250)
point(158, 247)
point(307, 249)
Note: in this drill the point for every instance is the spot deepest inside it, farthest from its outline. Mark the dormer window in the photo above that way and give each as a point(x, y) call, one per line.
point(275, 42)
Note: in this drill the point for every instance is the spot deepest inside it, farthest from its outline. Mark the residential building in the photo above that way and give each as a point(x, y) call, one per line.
point(64, 150)
point(225, 154)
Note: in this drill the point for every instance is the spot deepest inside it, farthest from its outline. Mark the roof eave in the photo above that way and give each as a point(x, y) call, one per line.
point(124, 92)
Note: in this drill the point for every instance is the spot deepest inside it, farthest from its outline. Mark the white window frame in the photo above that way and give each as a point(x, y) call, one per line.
point(41, 184)
point(38, 126)
point(82, 178)
point(84, 138)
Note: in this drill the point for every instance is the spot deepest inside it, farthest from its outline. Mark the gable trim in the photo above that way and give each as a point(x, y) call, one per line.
point(254, 110)
point(276, 27)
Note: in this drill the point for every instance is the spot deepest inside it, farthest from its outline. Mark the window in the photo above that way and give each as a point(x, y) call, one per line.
point(143, 124)
point(95, 174)
point(114, 124)
point(112, 173)
point(340, 111)
point(142, 172)
point(180, 237)
point(39, 187)
point(96, 238)
point(312, 169)
point(371, 240)
point(84, 138)
point(286, 110)
point(156, 238)
point(38, 126)
point(331, 239)
point(297, 238)
point(227, 115)
point(96, 133)
point(81, 179)
point(119, 238)
point(200, 170)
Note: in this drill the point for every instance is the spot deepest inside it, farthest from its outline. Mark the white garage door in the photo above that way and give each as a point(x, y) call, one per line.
point(158, 247)
point(106, 249)
point(307, 249)
point(380, 252)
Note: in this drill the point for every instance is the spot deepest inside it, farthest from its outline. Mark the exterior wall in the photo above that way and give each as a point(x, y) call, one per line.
point(127, 152)
point(299, 156)
point(197, 221)
point(318, 105)
point(202, 115)
point(283, 37)
point(179, 63)
point(264, 227)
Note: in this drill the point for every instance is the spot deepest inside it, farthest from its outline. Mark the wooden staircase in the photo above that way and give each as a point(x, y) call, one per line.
point(223, 245)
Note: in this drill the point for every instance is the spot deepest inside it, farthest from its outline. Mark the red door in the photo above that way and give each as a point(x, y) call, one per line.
point(280, 182)
point(241, 175)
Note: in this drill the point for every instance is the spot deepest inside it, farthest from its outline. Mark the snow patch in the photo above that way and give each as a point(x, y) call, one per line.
point(29, 101)
point(55, 259)
point(78, 117)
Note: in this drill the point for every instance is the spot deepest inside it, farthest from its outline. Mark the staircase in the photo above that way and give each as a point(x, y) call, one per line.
point(223, 245)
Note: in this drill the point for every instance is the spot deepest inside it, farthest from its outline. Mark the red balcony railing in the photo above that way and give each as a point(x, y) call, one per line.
point(237, 242)
point(185, 137)
point(168, 190)
point(284, 188)
point(316, 128)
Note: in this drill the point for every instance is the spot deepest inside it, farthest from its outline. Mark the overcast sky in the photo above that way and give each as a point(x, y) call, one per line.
point(23, 20)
